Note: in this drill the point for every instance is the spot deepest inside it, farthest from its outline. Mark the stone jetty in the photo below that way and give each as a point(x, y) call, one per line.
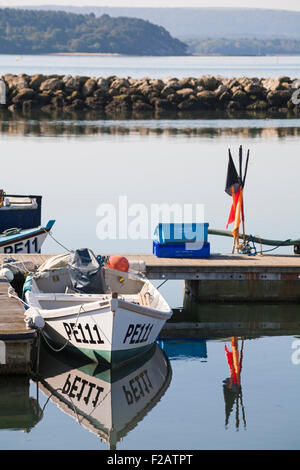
point(129, 97)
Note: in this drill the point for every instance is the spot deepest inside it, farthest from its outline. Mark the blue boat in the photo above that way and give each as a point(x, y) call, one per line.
point(18, 211)
point(24, 241)
point(20, 224)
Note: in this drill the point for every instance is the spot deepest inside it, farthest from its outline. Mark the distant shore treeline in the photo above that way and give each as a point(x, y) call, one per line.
point(186, 23)
point(115, 97)
point(40, 32)
point(28, 31)
point(244, 46)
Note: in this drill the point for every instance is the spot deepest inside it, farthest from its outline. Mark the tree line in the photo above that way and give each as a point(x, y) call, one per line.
point(40, 32)
point(244, 47)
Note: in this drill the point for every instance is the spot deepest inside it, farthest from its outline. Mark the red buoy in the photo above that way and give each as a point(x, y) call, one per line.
point(118, 262)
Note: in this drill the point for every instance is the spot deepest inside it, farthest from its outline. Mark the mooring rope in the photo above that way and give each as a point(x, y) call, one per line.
point(51, 235)
point(68, 340)
point(245, 248)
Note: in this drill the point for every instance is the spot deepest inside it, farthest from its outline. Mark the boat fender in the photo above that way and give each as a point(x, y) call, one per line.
point(120, 263)
point(33, 319)
point(7, 274)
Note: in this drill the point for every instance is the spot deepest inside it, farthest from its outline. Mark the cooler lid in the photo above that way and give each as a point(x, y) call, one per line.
point(181, 232)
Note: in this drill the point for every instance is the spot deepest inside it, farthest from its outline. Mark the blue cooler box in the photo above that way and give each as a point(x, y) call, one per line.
point(181, 241)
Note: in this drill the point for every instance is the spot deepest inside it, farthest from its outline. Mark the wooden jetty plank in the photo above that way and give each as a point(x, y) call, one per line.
point(174, 268)
point(189, 268)
point(213, 261)
point(16, 341)
point(11, 314)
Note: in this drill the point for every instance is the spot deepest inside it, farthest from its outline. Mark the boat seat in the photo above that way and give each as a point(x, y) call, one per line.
point(70, 296)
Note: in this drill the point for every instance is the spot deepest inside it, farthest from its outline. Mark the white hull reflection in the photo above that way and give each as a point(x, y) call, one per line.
point(108, 402)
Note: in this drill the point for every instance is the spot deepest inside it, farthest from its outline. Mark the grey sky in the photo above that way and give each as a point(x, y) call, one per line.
point(271, 4)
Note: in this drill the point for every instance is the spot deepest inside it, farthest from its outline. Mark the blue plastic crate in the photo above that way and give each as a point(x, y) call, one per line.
point(181, 250)
point(181, 232)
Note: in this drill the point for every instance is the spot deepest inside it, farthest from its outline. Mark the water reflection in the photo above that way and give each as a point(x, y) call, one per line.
point(18, 411)
point(94, 125)
point(232, 387)
point(216, 321)
point(186, 348)
point(109, 402)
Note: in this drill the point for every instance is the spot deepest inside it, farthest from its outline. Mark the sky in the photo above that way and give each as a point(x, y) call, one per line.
point(271, 4)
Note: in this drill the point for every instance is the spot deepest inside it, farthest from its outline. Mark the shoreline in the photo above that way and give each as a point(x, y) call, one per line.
point(117, 54)
point(102, 54)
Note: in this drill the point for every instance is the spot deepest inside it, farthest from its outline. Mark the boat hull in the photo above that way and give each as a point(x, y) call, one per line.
point(26, 241)
point(103, 335)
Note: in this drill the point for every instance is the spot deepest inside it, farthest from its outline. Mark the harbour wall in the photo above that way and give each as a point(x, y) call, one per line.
point(115, 97)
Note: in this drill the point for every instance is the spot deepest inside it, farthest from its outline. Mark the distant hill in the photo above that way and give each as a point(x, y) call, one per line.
point(188, 23)
point(244, 46)
point(39, 32)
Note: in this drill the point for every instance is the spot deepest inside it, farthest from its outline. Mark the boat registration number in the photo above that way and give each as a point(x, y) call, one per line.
point(83, 333)
point(28, 246)
point(138, 333)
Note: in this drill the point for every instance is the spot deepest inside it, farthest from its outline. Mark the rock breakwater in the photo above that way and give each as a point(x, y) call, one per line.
point(115, 97)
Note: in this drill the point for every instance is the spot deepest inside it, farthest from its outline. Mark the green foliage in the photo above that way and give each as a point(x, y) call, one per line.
point(244, 47)
point(40, 32)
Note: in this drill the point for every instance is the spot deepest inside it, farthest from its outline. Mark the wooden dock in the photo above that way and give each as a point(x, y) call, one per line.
point(15, 340)
point(240, 267)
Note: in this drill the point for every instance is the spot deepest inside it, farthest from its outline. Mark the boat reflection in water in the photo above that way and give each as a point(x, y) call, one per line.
point(108, 402)
point(18, 410)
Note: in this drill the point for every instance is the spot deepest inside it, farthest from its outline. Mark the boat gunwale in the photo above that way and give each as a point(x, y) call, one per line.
point(96, 306)
point(89, 307)
point(144, 310)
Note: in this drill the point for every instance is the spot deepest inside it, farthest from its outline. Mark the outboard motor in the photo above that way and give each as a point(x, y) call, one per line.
point(86, 273)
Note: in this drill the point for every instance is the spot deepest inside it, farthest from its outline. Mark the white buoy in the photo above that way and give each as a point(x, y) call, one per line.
point(6, 273)
point(2, 92)
point(34, 319)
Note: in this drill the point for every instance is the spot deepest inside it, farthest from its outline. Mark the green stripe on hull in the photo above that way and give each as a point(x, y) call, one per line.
point(114, 357)
point(100, 356)
point(127, 354)
point(108, 357)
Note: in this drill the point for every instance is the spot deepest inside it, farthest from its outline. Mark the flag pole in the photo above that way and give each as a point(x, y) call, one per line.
point(234, 207)
point(234, 187)
point(241, 184)
point(243, 218)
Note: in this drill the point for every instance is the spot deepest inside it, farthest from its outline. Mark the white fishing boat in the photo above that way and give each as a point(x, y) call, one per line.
point(15, 240)
point(102, 313)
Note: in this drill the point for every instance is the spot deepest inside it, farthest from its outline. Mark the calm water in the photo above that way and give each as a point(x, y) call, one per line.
point(183, 396)
point(188, 397)
point(154, 67)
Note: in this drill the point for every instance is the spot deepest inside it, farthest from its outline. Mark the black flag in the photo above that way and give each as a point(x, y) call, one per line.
point(232, 177)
